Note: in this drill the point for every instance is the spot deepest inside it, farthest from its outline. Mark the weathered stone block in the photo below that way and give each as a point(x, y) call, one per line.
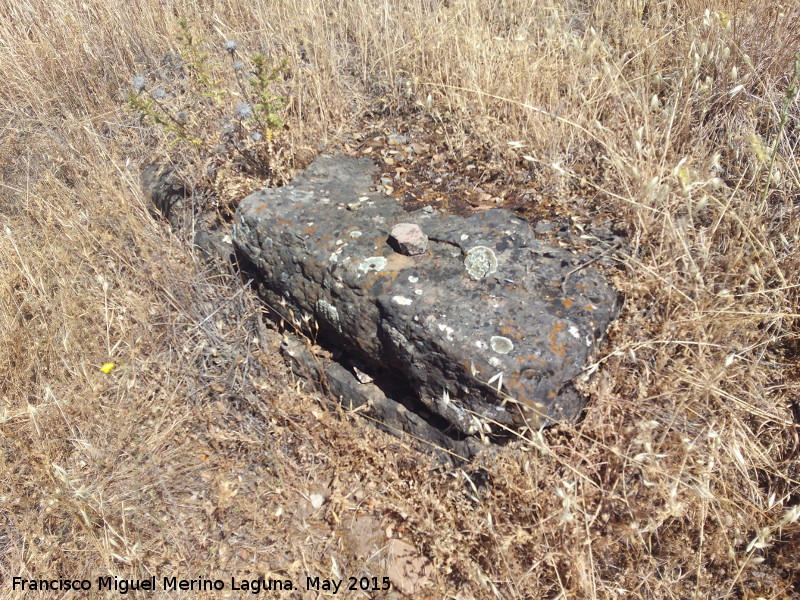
point(487, 307)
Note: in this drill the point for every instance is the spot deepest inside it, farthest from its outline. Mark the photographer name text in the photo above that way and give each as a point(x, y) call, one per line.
point(171, 584)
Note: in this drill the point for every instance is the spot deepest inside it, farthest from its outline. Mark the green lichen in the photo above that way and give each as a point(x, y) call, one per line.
point(479, 262)
point(500, 344)
point(373, 263)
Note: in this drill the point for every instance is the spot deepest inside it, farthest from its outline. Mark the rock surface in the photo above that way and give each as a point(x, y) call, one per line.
point(170, 199)
point(394, 415)
point(486, 307)
point(166, 192)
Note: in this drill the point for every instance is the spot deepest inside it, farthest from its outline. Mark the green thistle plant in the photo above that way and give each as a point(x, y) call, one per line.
point(197, 63)
point(231, 115)
point(269, 106)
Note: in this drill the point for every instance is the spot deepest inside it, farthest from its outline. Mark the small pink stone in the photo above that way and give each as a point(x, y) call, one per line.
point(409, 239)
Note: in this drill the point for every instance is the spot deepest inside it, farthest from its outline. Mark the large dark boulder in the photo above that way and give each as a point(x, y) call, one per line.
point(485, 306)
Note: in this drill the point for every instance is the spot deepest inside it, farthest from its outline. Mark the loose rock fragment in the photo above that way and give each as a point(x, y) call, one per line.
point(408, 239)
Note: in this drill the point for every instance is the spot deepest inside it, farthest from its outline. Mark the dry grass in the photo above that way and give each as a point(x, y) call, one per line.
point(196, 456)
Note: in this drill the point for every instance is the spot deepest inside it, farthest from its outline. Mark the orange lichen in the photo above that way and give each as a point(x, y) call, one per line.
point(533, 359)
point(556, 347)
point(398, 262)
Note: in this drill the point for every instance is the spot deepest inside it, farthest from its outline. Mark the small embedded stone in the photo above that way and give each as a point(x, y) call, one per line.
point(408, 239)
point(362, 377)
point(396, 139)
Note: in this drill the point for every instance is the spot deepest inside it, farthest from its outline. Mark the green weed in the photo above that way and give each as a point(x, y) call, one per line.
point(229, 114)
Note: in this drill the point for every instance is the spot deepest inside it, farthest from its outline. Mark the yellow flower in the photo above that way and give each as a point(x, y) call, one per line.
point(108, 367)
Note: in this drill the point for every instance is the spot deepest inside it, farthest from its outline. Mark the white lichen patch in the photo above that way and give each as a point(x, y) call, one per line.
point(574, 332)
point(329, 313)
point(479, 262)
point(373, 263)
point(413, 279)
point(447, 330)
point(480, 345)
point(464, 237)
point(402, 300)
point(495, 362)
point(334, 257)
point(356, 205)
point(355, 234)
point(500, 344)
point(418, 292)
